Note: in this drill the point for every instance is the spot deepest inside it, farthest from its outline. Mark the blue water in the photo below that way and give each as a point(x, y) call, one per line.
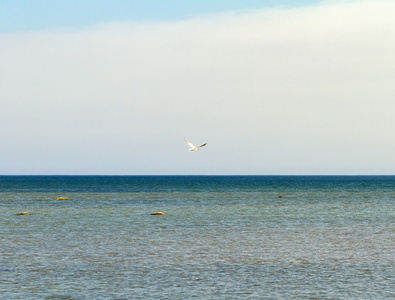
point(223, 237)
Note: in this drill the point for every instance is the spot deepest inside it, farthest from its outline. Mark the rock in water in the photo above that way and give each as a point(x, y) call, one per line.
point(159, 213)
point(62, 198)
point(23, 213)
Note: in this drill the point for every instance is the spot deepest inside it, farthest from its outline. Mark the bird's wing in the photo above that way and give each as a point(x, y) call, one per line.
point(190, 144)
point(203, 145)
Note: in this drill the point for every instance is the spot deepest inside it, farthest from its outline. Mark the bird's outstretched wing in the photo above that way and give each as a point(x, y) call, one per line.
point(202, 145)
point(190, 144)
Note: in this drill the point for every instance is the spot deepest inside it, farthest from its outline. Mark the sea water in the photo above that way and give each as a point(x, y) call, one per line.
point(222, 237)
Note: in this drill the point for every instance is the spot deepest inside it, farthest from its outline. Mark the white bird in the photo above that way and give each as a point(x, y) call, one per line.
point(193, 148)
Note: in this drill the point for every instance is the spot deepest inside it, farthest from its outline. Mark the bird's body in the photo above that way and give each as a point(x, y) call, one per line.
point(193, 148)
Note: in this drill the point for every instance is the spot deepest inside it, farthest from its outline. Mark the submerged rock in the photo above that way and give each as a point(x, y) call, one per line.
point(280, 196)
point(23, 213)
point(62, 198)
point(159, 213)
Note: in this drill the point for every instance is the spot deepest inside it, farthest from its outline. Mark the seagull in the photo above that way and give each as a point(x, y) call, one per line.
point(193, 148)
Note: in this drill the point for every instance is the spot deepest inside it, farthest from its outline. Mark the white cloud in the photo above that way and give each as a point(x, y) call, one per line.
point(293, 91)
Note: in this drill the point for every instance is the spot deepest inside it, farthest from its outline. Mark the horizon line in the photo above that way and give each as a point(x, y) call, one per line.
point(189, 175)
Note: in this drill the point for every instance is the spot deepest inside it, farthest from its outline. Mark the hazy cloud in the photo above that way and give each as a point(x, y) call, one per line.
point(275, 91)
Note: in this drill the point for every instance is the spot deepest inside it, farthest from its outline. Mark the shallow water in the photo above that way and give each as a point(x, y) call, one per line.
point(221, 238)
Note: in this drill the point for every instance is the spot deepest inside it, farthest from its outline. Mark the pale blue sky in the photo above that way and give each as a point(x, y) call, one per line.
point(19, 15)
point(114, 87)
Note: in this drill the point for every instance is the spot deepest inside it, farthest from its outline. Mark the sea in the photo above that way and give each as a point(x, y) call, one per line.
point(220, 237)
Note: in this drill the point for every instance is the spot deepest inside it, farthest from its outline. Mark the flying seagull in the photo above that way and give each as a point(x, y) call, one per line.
point(193, 148)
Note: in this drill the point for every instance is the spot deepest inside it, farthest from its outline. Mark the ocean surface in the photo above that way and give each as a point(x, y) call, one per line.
point(223, 237)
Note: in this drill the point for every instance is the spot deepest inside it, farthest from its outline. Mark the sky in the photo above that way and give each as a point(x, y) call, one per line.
point(273, 87)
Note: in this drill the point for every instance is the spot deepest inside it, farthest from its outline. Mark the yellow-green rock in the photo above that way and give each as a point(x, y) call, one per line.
point(159, 213)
